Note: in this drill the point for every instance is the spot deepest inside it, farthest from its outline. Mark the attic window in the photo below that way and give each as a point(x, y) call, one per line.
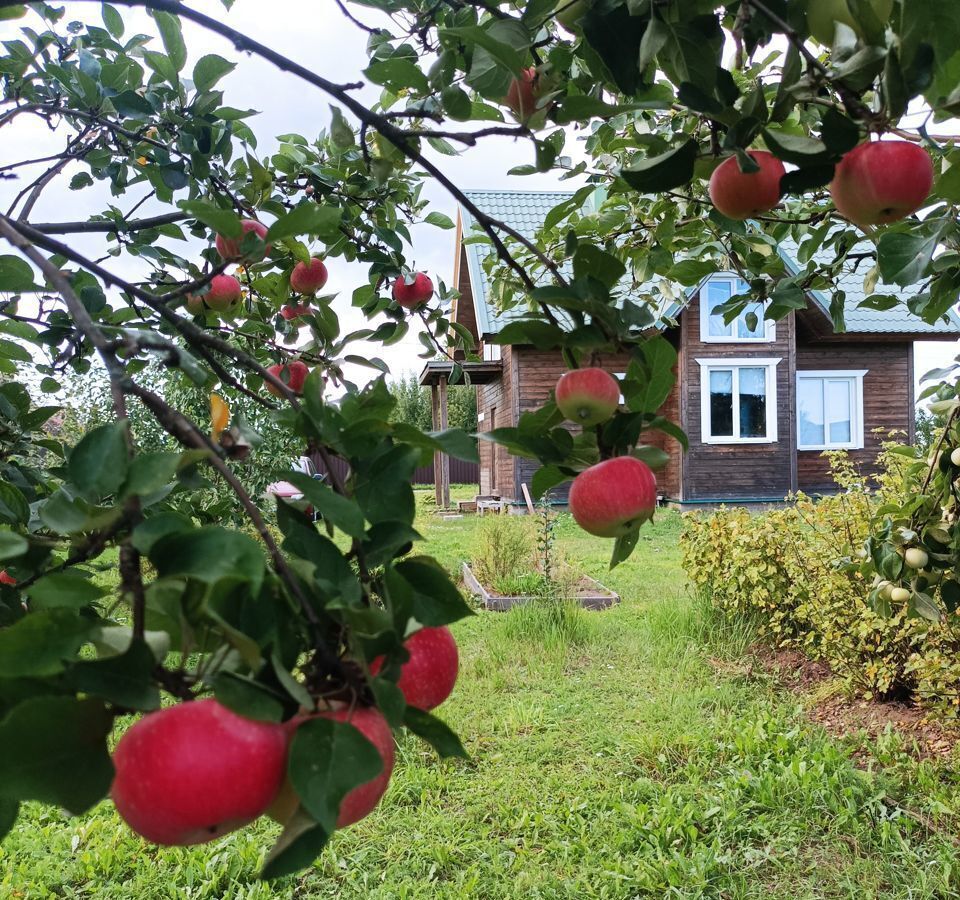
point(748, 327)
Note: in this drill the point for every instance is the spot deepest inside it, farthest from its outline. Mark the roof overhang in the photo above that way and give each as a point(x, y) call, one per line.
point(475, 372)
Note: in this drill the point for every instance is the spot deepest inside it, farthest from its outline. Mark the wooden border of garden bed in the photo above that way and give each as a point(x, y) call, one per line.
point(599, 597)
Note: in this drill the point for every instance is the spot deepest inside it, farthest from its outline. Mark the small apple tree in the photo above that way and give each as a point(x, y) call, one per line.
point(661, 93)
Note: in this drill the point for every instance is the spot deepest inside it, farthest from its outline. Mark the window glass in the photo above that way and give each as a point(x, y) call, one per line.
point(718, 292)
point(838, 410)
point(753, 402)
point(810, 411)
point(721, 402)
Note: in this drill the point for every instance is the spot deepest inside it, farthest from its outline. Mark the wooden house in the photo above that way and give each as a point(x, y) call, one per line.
point(759, 405)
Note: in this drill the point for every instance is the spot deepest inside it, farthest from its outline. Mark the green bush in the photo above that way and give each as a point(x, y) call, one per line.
point(794, 573)
point(504, 551)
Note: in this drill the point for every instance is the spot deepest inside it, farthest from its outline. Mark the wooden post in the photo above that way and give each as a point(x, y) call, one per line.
point(435, 413)
point(444, 474)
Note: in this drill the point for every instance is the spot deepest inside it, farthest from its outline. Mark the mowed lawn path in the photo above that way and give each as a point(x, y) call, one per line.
point(616, 765)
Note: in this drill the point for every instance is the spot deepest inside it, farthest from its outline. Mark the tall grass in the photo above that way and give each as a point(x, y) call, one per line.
point(553, 623)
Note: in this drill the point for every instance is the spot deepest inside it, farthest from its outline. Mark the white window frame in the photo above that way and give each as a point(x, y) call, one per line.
point(855, 376)
point(770, 331)
point(741, 362)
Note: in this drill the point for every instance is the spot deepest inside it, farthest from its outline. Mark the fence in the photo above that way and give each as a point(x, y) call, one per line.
point(461, 471)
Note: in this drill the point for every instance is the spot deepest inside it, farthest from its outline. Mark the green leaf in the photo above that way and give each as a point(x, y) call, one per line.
point(222, 221)
point(151, 472)
point(209, 70)
point(661, 173)
point(15, 274)
point(307, 218)
point(209, 554)
point(298, 846)
point(113, 20)
point(14, 351)
point(172, 37)
point(98, 464)
point(248, 698)
point(654, 457)
point(796, 148)
point(440, 220)
point(12, 545)
point(327, 760)
point(63, 590)
point(503, 41)
point(38, 644)
point(623, 547)
point(903, 258)
point(436, 599)
point(382, 485)
point(341, 511)
point(435, 732)
point(125, 680)
point(616, 38)
point(650, 378)
point(55, 751)
point(545, 478)
point(14, 509)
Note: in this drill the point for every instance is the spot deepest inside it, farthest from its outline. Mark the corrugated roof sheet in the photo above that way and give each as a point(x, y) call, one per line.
point(526, 210)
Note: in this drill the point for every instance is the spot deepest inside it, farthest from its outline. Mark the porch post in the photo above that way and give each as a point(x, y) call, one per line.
point(435, 418)
point(444, 473)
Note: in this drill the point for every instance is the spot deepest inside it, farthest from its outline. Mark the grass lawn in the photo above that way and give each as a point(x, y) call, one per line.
point(615, 765)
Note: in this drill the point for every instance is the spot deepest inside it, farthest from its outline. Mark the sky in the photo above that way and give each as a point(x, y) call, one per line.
point(315, 33)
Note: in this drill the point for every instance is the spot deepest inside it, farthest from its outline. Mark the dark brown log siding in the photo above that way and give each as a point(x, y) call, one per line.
point(735, 471)
point(496, 403)
point(887, 401)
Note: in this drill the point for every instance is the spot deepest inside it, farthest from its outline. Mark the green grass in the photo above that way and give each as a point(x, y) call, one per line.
point(609, 759)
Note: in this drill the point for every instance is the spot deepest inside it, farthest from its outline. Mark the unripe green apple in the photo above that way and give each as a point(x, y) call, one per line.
point(955, 457)
point(916, 558)
point(822, 16)
point(900, 595)
point(885, 589)
point(570, 12)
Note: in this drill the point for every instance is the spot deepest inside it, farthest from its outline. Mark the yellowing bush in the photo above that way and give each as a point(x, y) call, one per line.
point(790, 571)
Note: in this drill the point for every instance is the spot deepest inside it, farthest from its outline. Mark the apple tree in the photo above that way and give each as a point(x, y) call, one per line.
point(302, 640)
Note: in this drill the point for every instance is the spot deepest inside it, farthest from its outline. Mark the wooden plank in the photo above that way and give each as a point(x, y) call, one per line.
point(435, 418)
point(527, 497)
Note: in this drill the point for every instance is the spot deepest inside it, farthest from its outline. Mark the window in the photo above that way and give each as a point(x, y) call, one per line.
point(830, 410)
point(713, 330)
point(738, 401)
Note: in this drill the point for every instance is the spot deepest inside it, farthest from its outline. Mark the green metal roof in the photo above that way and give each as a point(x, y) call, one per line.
point(526, 210)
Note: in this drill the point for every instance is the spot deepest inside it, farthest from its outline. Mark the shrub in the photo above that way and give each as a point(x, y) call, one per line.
point(796, 573)
point(504, 550)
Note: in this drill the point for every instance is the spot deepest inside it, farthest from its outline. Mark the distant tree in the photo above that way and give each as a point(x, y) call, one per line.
point(928, 426)
point(413, 404)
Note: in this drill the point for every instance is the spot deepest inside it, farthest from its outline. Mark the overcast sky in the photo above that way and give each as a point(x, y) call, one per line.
point(316, 34)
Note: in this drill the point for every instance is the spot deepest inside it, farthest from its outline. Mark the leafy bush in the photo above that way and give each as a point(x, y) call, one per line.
point(504, 551)
point(797, 574)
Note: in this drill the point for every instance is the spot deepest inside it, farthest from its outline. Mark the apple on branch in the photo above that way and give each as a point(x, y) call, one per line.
point(308, 278)
point(524, 95)
point(413, 290)
point(230, 248)
point(195, 771)
point(223, 293)
point(7, 578)
point(614, 497)
point(587, 396)
point(740, 195)
point(428, 676)
point(291, 311)
point(292, 374)
point(881, 182)
point(362, 800)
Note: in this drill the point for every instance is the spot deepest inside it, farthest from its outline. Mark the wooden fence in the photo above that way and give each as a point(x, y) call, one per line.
point(461, 472)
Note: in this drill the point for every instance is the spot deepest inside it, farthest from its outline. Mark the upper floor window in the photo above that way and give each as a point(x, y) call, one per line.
point(830, 410)
point(748, 327)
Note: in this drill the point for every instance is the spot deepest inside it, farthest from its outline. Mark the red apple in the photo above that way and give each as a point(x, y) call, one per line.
point(7, 579)
point(614, 497)
point(523, 94)
point(881, 182)
point(740, 195)
point(361, 800)
point(229, 248)
point(293, 374)
point(190, 773)
point(295, 311)
point(428, 677)
point(587, 396)
point(414, 294)
point(308, 278)
point(224, 292)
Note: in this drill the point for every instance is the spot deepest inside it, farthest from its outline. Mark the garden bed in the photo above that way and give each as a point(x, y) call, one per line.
point(589, 593)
